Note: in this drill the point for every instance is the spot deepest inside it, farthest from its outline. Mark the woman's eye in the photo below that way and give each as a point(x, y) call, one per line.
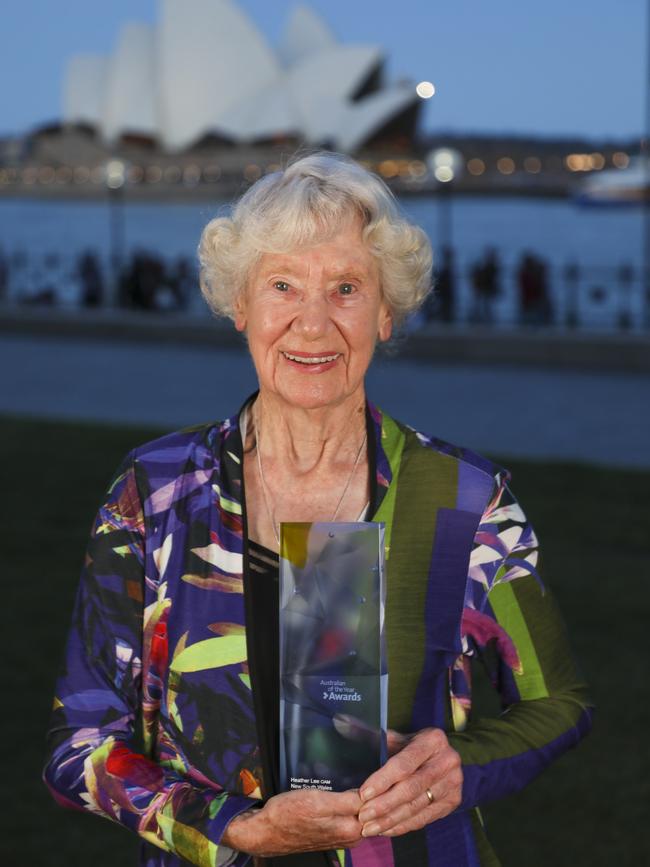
point(346, 289)
point(281, 285)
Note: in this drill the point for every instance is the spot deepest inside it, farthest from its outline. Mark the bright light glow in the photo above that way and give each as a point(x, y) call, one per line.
point(444, 157)
point(445, 164)
point(533, 165)
point(444, 174)
point(574, 162)
point(404, 169)
point(584, 162)
point(506, 165)
point(425, 89)
point(388, 168)
point(252, 172)
point(621, 160)
point(115, 174)
point(417, 169)
point(475, 166)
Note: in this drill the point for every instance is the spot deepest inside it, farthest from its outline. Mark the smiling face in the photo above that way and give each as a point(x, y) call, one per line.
point(312, 318)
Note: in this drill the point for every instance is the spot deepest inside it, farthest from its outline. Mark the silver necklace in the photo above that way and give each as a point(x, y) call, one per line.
point(265, 488)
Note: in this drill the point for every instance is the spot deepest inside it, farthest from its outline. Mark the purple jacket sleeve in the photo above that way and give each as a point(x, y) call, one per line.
point(93, 763)
point(513, 623)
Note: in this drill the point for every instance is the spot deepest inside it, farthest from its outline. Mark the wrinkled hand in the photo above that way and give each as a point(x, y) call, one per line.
point(395, 798)
point(302, 821)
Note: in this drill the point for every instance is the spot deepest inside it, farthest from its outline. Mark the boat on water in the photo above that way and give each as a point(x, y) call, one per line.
point(619, 187)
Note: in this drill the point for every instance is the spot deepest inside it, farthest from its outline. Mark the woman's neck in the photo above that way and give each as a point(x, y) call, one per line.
point(308, 439)
point(303, 465)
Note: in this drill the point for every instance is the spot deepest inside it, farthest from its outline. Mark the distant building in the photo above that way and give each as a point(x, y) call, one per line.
point(205, 71)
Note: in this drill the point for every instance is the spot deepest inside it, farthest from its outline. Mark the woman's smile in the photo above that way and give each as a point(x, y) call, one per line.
point(308, 362)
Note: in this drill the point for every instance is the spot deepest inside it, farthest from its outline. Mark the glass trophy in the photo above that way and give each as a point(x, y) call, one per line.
point(333, 673)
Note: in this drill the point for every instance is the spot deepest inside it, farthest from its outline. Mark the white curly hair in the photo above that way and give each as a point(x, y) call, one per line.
point(309, 202)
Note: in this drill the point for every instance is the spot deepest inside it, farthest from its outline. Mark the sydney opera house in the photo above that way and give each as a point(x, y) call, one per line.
point(212, 75)
point(200, 103)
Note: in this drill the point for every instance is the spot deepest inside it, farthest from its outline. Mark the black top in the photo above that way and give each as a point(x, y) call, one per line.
point(263, 615)
point(264, 566)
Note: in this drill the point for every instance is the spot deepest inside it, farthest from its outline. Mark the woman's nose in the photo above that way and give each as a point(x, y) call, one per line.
point(313, 318)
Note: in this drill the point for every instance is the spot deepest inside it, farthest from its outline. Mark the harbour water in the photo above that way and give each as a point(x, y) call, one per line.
point(605, 244)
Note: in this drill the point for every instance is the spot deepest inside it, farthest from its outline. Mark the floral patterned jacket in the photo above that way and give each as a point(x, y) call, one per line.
point(154, 722)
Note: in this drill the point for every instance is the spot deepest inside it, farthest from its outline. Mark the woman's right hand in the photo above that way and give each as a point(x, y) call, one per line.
point(306, 820)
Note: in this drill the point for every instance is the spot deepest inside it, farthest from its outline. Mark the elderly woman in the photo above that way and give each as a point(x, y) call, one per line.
point(175, 623)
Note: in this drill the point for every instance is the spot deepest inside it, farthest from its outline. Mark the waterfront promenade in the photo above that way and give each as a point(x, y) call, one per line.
point(167, 378)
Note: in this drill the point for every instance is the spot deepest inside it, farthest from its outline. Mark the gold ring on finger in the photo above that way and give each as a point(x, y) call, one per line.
point(430, 796)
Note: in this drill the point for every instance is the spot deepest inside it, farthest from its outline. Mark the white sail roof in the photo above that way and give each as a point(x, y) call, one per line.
point(83, 88)
point(130, 95)
point(322, 85)
point(269, 112)
point(205, 68)
point(209, 60)
point(305, 34)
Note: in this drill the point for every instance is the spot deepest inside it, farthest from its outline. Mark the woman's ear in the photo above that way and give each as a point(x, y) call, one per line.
point(385, 325)
point(239, 310)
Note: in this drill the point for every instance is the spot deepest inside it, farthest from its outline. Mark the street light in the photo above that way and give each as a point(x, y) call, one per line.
point(115, 178)
point(445, 166)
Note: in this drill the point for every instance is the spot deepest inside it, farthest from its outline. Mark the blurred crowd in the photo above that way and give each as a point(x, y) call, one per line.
point(145, 281)
point(527, 292)
point(485, 278)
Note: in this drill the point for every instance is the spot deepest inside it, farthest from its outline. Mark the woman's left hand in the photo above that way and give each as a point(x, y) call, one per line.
point(421, 782)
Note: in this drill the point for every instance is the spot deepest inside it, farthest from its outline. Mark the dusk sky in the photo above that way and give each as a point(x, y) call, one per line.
point(562, 67)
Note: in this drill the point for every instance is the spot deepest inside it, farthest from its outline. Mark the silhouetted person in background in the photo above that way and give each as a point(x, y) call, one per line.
point(485, 282)
point(142, 280)
point(4, 277)
point(439, 304)
point(92, 284)
point(534, 301)
point(444, 286)
point(182, 280)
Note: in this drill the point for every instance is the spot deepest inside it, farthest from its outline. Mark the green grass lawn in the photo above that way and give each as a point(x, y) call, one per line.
point(591, 808)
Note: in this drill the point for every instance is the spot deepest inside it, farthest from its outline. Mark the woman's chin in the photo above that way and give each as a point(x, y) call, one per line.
point(313, 394)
